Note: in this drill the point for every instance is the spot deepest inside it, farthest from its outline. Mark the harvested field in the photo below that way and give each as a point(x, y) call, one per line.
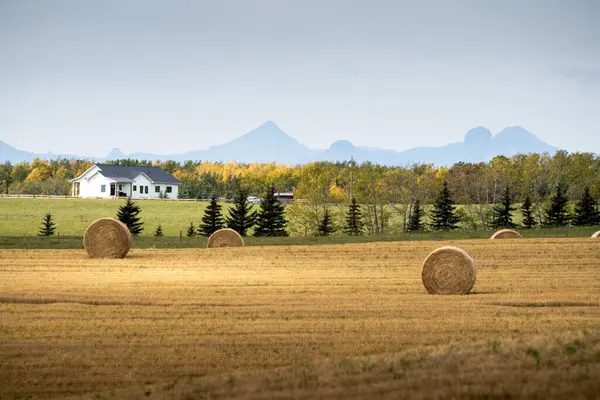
point(301, 321)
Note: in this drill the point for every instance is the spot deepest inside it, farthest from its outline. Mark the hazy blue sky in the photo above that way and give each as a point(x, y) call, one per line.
point(83, 76)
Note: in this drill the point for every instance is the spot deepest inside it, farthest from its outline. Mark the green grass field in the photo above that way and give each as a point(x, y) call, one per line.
point(22, 217)
point(20, 220)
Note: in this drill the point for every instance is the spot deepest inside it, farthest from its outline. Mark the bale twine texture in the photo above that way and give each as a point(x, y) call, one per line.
point(448, 270)
point(225, 238)
point(596, 235)
point(506, 234)
point(107, 238)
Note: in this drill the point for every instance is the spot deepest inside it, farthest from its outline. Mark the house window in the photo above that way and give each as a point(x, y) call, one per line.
point(157, 189)
point(134, 188)
point(146, 189)
point(169, 189)
point(103, 188)
point(120, 187)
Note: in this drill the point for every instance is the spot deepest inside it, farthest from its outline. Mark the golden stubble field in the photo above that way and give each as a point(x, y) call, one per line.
point(334, 321)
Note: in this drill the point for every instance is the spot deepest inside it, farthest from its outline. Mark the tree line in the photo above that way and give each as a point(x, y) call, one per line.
point(389, 197)
point(269, 220)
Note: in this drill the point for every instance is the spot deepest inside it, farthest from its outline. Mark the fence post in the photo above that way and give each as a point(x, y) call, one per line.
point(180, 236)
point(58, 236)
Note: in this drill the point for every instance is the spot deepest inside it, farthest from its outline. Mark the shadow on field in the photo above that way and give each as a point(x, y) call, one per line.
point(101, 302)
point(545, 304)
point(90, 302)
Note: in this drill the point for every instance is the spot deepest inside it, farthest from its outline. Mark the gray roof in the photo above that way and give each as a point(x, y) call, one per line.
point(126, 172)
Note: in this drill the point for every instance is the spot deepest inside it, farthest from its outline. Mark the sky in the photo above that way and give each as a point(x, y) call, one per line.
point(82, 77)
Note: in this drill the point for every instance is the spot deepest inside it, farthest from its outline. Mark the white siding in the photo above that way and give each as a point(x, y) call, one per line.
point(141, 182)
point(92, 187)
point(174, 190)
point(152, 193)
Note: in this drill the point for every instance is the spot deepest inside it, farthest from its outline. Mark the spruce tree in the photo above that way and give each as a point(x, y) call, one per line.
point(212, 220)
point(444, 216)
point(528, 218)
point(128, 214)
point(270, 220)
point(48, 226)
point(326, 228)
point(354, 224)
point(414, 222)
point(585, 210)
point(556, 212)
point(241, 216)
point(158, 231)
point(191, 230)
point(502, 216)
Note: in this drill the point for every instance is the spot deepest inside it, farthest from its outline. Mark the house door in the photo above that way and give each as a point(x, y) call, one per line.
point(112, 189)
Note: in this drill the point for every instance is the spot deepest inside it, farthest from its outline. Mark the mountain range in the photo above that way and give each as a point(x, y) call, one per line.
point(268, 143)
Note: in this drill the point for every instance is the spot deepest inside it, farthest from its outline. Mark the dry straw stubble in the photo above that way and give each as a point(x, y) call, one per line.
point(448, 270)
point(225, 238)
point(107, 238)
point(506, 234)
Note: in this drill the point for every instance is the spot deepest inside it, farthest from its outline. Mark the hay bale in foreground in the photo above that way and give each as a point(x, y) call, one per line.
point(107, 238)
point(596, 235)
point(225, 238)
point(448, 270)
point(506, 234)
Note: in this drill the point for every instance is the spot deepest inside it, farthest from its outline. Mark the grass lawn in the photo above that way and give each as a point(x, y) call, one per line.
point(22, 217)
point(20, 220)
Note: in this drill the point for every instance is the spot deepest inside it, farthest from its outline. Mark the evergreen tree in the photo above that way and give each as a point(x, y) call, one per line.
point(556, 213)
point(128, 214)
point(354, 224)
point(158, 232)
point(325, 227)
point(502, 217)
point(270, 220)
point(191, 230)
point(585, 210)
point(48, 226)
point(212, 220)
point(528, 218)
point(414, 222)
point(241, 216)
point(444, 214)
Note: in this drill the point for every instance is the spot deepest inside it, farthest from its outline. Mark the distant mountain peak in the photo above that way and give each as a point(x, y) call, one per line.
point(115, 154)
point(515, 130)
point(268, 143)
point(479, 136)
point(269, 124)
point(341, 145)
point(267, 132)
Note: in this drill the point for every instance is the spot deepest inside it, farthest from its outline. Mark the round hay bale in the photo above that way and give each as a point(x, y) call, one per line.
point(506, 234)
point(596, 235)
point(448, 270)
point(107, 238)
point(225, 238)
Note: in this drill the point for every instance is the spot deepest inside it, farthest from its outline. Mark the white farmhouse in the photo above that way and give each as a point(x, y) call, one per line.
point(105, 180)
